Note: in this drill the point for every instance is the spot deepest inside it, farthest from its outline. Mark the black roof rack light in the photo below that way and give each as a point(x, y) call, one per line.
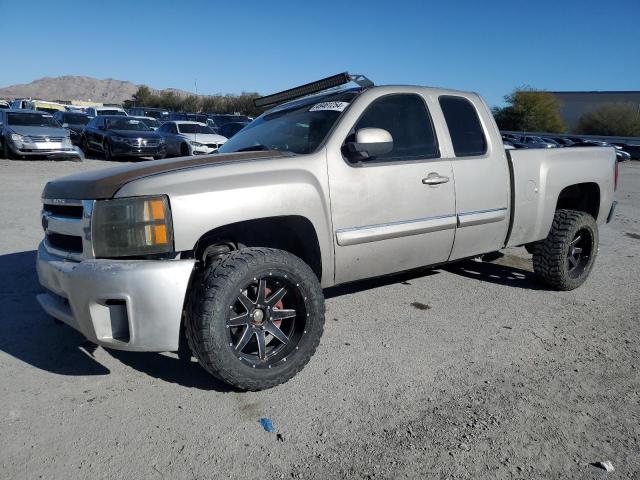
point(310, 88)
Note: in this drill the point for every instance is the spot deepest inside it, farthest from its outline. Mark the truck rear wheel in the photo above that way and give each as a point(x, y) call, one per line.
point(565, 258)
point(255, 317)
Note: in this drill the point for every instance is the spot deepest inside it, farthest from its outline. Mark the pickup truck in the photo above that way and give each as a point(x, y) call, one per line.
point(225, 256)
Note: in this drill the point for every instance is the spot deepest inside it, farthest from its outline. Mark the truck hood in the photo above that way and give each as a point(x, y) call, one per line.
point(39, 131)
point(100, 184)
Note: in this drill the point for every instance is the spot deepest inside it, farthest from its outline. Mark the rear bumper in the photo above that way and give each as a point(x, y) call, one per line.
point(131, 305)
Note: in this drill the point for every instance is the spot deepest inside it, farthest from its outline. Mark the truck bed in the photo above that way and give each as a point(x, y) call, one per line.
point(538, 176)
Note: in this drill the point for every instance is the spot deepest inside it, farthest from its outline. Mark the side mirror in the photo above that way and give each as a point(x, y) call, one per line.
point(369, 143)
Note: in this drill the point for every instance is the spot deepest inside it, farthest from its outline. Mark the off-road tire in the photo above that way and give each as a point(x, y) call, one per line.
point(216, 287)
point(550, 256)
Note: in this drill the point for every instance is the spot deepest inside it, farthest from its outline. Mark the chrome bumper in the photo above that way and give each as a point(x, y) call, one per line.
point(131, 305)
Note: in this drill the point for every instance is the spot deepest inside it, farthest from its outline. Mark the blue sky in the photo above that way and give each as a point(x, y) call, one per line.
point(234, 46)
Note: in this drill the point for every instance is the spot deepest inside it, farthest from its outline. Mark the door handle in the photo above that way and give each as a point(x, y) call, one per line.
point(435, 178)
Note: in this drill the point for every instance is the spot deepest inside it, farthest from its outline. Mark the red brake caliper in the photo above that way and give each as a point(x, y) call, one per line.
point(279, 305)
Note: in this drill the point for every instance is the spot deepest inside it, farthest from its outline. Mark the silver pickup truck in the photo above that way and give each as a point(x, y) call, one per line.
point(225, 256)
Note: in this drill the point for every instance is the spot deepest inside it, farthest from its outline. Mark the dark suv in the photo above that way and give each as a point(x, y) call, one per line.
point(119, 136)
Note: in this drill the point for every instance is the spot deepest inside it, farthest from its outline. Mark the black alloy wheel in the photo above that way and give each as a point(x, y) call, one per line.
point(266, 321)
point(579, 254)
point(254, 317)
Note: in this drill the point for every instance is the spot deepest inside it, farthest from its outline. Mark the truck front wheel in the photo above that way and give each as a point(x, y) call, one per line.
point(255, 317)
point(564, 259)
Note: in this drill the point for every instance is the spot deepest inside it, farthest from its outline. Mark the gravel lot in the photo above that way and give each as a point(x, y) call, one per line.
point(468, 371)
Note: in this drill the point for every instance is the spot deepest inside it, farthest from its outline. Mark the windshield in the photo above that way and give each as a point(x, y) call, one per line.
point(126, 124)
point(150, 122)
point(299, 127)
point(110, 112)
point(31, 120)
point(75, 119)
point(194, 128)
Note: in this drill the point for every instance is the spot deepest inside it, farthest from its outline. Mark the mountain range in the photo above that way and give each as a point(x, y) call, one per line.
point(71, 87)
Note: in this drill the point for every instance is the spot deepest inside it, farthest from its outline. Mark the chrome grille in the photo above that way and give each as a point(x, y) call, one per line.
point(213, 145)
point(43, 139)
point(144, 142)
point(67, 227)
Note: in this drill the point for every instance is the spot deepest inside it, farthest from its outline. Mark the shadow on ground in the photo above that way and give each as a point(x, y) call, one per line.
point(371, 283)
point(171, 369)
point(499, 268)
point(28, 333)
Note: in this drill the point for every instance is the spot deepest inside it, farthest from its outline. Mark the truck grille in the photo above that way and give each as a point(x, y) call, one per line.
point(67, 227)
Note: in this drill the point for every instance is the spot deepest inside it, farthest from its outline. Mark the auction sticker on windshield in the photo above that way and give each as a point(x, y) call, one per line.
point(334, 106)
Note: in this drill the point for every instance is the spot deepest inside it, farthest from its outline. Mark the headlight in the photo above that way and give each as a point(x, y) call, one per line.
point(127, 227)
point(196, 144)
point(17, 138)
point(120, 139)
point(161, 140)
point(66, 142)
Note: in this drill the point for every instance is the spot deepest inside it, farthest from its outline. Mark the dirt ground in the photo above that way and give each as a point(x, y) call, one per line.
point(469, 371)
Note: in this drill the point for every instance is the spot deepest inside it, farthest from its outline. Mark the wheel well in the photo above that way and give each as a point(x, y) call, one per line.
point(584, 197)
point(294, 234)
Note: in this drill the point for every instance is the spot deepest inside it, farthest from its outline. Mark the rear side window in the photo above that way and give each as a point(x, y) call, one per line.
point(406, 118)
point(464, 126)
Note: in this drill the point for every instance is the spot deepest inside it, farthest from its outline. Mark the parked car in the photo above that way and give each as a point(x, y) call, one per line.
point(119, 136)
point(221, 119)
point(30, 133)
point(564, 141)
point(152, 123)
point(633, 149)
point(74, 122)
point(192, 117)
point(230, 129)
point(235, 248)
point(4, 104)
point(184, 138)
point(621, 155)
point(553, 141)
point(159, 114)
point(537, 142)
point(98, 111)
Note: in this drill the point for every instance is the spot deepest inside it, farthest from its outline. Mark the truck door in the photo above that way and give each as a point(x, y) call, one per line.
point(396, 211)
point(482, 176)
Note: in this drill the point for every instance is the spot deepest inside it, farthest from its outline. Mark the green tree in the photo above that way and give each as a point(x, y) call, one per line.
point(530, 110)
point(142, 96)
point(190, 104)
point(615, 119)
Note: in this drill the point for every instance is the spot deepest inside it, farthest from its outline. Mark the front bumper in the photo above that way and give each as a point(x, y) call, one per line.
point(44, 152)
point(131, 305)
point(203, 150)
point(137, 151)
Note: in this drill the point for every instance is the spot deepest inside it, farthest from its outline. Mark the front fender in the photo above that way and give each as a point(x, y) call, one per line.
point(206, 198)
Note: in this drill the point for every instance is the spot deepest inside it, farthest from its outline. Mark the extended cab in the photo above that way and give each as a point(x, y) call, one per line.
point(225, 256)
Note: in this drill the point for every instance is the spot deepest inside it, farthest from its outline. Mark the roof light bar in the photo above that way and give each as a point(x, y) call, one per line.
point(310, 88)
